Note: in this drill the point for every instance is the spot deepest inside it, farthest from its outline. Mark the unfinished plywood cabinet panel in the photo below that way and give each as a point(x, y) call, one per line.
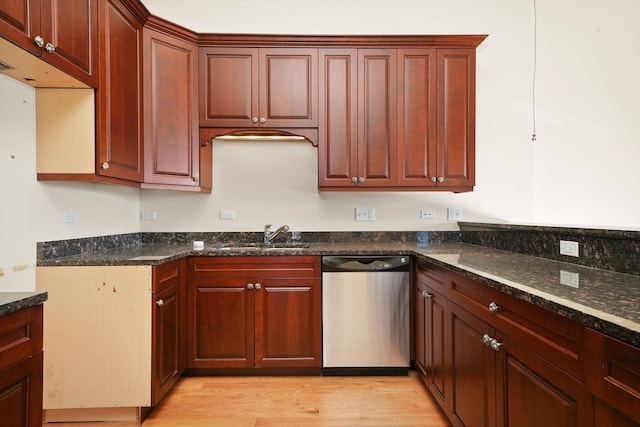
point(65, 132)
point(97, 341)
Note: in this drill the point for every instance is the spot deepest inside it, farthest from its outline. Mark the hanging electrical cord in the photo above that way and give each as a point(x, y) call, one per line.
point(535, 60)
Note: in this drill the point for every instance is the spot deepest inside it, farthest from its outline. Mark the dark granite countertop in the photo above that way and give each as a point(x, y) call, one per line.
point(15, 301)
point(604, 300)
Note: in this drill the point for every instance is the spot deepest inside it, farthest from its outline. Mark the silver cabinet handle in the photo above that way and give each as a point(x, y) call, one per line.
point(105, 166)
point(426, 295)
point(254, 119)
point(250, 286)
point(441, 179)
point(39, 41)
point(433, 179)
point(493, 307)
point(160, 302)
point(258, 286)
point(354, 179)
point(49, 48)
point(361, 179)
point(486, 339)
point(495, 345)
point(262, 120)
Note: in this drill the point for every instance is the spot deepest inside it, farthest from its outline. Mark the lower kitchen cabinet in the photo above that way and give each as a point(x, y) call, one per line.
point(114, 341)
point(21, 368)
point(432, 332)
point(168, 358)
point(613, 374)
point(491, 377)
point(254, 312)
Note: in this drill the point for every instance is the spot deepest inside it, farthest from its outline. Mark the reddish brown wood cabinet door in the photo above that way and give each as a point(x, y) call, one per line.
point(71, 26)
point(421, 325)
point(21, 393)
point(228, 87)
point(473, 374)
point(168, 345)
point(377, 149)
point(63, 32)
point(357, 128)
point(220, 323)
point(119, 115)
point(258, 87)
point(530, 392)
point(338, 121)
point(456, 118)
point(168, 358)
point(171, 136)
point(288, 87)
point(417, 118)
point(20, 23)
point(288, 323)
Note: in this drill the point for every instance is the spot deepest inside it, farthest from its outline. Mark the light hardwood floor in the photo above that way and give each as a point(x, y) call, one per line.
point(298, 401)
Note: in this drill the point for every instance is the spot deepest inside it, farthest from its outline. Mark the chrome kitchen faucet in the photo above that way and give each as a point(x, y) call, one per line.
point(269, 234)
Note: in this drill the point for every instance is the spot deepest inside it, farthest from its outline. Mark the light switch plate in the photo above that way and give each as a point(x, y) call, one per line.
point(454, 214)
point(227, 214)
point(148, 215)
point(365, 214)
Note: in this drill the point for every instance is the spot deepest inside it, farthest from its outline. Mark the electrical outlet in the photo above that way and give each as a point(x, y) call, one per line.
point(69, 216)
point(454, 214)
point(147, 215)
point(365, 214)
point(427, 213)
point(227, 214)
point(569, 278)
point(567, 247)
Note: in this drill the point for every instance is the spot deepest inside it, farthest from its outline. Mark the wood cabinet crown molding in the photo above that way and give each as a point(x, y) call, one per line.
point(423, 41)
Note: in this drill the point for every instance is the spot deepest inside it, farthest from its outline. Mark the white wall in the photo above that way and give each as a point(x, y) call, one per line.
point(581, 171)
point(32, 211)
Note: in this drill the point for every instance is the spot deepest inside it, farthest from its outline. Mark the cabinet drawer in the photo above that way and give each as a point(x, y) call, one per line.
point(20, 335)
point(556, 339)
point(167, 275)
point(433, 277)
point(255, 266)
point(613, 372)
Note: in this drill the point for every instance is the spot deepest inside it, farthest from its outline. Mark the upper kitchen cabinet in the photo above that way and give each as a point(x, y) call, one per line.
point(436, 118)
point(399, 118)
point(119, 146)
point(63, 33)
point(357, 137)
point(172, 151)
point(258, 87)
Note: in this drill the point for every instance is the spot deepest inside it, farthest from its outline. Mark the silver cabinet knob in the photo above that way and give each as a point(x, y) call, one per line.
point(495, 345)
point(160, 302)
point(486, 339)
point(426, 295)
point(433, 179)
point(105, 166)
point(493, 307)
point(254, 119)
point(49, 48)
point(250, 286)
point(258, 286)
point(441, 179)
point(361, 179)
point(262, 120)
point(39, 41)
point(354, 179)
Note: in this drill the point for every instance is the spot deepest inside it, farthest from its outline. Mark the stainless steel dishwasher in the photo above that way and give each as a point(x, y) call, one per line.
point(365, 315)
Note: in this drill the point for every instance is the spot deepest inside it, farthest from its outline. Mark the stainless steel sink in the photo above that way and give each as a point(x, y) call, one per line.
point(262, 246)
